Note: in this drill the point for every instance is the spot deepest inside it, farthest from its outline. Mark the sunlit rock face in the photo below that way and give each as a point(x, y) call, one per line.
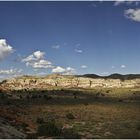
point(67, 82)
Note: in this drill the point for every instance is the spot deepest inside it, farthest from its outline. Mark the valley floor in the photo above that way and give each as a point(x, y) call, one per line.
point(74, 113)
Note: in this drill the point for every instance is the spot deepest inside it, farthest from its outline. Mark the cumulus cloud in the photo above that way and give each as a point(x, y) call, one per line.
point(40, 64)
point(58, 69)
point(39, 54)
point(34, 57)
point(78, 50)
point(70, 69)
point(66, 71)
point(5, 49)
point(133, 14)
point(123, 66)
point(37, 61)
point(83, 66)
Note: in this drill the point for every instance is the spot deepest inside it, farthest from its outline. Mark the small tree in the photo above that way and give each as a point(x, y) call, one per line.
point(49, 128)
point(77, 82)
point(90, 83)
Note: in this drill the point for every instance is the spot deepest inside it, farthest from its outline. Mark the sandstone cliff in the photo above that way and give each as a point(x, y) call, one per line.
point(28, 82)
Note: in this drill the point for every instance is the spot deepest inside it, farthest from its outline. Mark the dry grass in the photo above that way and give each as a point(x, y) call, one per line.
point(94, 117)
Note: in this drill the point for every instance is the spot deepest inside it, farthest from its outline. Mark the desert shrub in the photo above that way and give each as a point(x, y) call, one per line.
point(1, 91)
point(39, 96)
point(86, 104)
point(40, 120)
point(70, 116)
point(62, 90)
point(97, 94)
point(102, 94)
point(23, 126)
point(70, 133)
point(75, 95)
point(108, 91)
point(47, 97)
point(27, 97)
point(20, 96)
point(3, 82)
point(34, 96)
point(3, 96)
point(138, 127)
point(49, 128)
point(31, 136)
point(120, 100)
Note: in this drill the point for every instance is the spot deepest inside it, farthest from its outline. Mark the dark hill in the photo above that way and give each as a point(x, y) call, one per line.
point(114, 76)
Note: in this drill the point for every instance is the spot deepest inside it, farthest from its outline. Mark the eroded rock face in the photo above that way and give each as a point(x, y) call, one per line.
point(67, 81)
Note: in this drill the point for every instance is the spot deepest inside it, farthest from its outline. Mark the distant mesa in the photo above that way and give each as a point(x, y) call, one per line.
point(114, 76)
point(71, 81)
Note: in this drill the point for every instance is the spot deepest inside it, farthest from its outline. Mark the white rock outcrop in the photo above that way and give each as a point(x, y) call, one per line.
point(67, 81)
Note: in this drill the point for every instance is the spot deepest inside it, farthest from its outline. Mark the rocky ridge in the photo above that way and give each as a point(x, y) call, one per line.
point(67, 81)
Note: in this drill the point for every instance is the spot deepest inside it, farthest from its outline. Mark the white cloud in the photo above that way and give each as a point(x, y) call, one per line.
point(123, 66)
point(78, 50)
point(34, 57)
point(70, 69)
point(112, 67)
point(29, 58)
point(37, 61)
point(10, 72)
point(56, 46)
point(133, 14)
point(58, 69)
point(41, 64)
point(5, 49)
point(39, 54)
point(65, 71)
point(84, 66)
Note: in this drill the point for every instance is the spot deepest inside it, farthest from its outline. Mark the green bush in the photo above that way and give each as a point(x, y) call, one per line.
point(47, 97)
point(49, 128)
point(24, 126)
point(70, 116)
point(70, 134)
point(3, 96)
point(138, 127)
point(40, 120)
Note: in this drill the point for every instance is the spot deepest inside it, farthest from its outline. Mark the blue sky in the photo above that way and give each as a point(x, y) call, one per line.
point(70, 37)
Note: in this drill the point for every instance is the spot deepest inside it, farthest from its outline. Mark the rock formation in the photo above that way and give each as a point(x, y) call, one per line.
point(56, 80)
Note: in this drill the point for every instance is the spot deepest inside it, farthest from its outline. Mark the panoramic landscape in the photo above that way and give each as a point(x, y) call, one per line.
point(70, 70)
